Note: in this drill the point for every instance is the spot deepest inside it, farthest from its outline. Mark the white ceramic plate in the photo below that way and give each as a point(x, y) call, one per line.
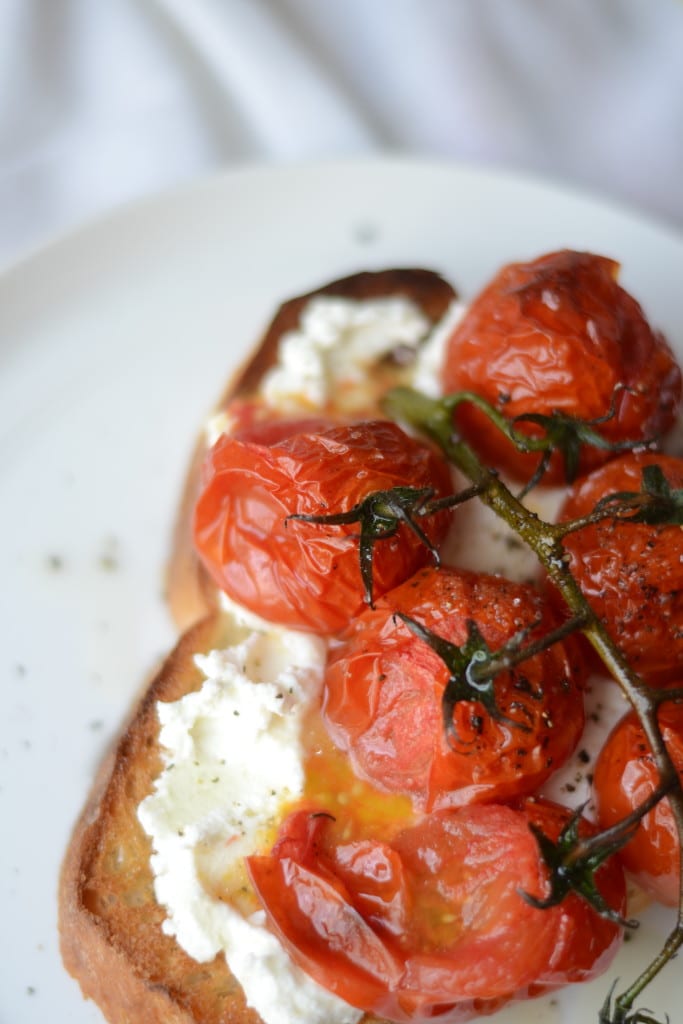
point(113, 344)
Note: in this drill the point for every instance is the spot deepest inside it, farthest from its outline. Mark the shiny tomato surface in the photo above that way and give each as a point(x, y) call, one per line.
point(559, 333)
point(586, 943)
point(631, 573)
point(433, 922)
point(384, 685)
point(625, 776)
point(298, 574)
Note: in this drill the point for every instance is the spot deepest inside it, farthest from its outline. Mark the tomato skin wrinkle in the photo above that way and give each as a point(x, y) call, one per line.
point(559, 334)
point(625, 775)
point(431, 923)
point(295, 573)
point(586, 942)
point(383, 692)
point(631, 573)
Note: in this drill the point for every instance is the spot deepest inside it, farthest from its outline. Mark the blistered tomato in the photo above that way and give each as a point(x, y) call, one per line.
point(559, 333)
point(434, 922)
point(631, 573)
point(625, 776)
point(384, 686)
point(299, 574)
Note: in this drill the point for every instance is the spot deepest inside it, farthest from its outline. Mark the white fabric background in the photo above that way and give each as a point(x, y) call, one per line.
point(105, 100)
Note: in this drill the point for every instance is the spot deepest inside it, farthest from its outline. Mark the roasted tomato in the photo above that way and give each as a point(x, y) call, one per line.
point(384, 686)
point(586, 942)
point(432, 923)
point(300, 574)
point(625, 776)
point(559, 333)
point(631, 573)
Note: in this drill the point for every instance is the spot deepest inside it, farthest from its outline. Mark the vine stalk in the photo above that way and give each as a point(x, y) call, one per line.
point(434, 417)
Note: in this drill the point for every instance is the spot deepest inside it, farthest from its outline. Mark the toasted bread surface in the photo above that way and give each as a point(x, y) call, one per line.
point(190, 592)
point(110, 923)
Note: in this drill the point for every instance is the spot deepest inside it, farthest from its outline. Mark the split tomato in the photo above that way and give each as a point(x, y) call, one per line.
point(300, 574)
point(382, 699)
point(434, 922)
point(631, 573)
point(559, 333)
point(625, 776)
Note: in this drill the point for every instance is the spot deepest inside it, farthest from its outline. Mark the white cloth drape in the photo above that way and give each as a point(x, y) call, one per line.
point(104, 100)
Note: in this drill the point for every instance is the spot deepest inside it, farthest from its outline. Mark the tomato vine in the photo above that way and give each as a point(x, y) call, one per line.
point(656, 502)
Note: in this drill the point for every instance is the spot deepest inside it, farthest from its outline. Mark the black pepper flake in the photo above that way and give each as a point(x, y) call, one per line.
point(514, 544)
point(108, 560)
point(584, 756)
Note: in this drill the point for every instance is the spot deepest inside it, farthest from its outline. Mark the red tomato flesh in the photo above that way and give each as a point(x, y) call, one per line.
point(383, 690)
point(586, 943)
point(433, 922)
point(298, 574)
point(625, 776)
point(631, 573)
point(559, 333)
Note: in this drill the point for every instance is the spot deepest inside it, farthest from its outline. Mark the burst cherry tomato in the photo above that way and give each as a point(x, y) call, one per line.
point(631, 573)
point(432, 923)
point(559, 333)
point(384, 686)
point(625, 776)
point(300, 574)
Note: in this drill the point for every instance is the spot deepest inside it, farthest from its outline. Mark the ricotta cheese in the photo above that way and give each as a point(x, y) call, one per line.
point(232, 762)
point(336, 342)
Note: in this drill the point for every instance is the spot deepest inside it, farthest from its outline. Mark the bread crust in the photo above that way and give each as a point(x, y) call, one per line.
point(110, 925)
point(190, 591)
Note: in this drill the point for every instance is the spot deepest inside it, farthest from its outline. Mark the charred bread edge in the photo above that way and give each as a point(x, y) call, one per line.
point(190, 591)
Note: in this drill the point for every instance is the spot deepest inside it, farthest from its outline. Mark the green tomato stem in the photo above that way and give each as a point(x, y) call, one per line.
point(434, 417)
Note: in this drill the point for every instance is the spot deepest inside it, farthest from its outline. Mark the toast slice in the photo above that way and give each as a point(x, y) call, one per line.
point(109, 921)
point(111, 933)
point(190, 592)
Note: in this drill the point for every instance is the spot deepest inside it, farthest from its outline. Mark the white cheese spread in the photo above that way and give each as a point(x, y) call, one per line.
point(232, 754)
point(336, 342)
